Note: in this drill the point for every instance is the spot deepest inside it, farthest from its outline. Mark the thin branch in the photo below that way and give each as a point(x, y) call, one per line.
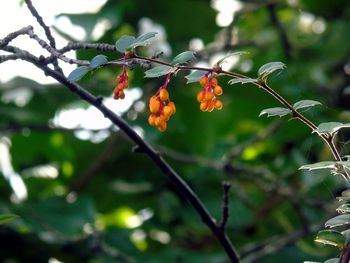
point(6, 40)
point(255, 252)
point(47, 30)
point(167, 170)
point(225, 205)
point(280, 29)
point(55, 53)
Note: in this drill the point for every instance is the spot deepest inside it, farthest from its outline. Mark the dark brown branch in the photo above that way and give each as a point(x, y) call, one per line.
point(280, 29)
point(167, 170)
point(6, 40)
point(225, 205)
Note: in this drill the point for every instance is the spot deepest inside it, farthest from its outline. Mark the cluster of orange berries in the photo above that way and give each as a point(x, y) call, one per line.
point(207, 96)
point(122, 83)
point(161, 109)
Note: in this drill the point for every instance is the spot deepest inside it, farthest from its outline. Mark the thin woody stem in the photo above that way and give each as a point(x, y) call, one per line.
point(325, 136)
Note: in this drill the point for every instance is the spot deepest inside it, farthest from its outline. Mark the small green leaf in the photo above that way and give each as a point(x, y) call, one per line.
point(346, 234)
point(343, 198)
point(332, 260)
point(344, 208)
point(319, 165)
point(338, 221)
point(305, 104)
point(278, 111)
point(221, 61)
point(330, 237)
point(331, 127)
point(195, 76)
point(268, 68)
point(78, 73)
point(158, 71)
point(124, 43)
point(241, 80)
point(98, 61)
point(183, 57)
point(7, 218)
point(142, 40)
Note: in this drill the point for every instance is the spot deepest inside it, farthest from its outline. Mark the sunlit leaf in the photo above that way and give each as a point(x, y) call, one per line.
point(7, 218)
point(332, 260)
point(330, 237)
point(338, 221)
point(158, 71)
point(124, 43)
point(319, 165)
point(278, 111)
point(195, 76)
point(183, 57)
point(98, 61)
point(268, 68)
point(344, 208)
point(331, 127)
point(142, 40)
point(78, 73)
point(221, 61)
point(241, 80)
point(305, 104)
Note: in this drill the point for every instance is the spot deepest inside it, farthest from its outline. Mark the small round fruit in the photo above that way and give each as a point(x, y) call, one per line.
point(218, 90)
point(163, 94)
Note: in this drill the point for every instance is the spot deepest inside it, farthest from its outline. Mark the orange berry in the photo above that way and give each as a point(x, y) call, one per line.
point(200, 96)
point(163, 94)
point(203, 106)
point(210, 107)
point(151, 120)
point(162, 127)
point(214, 81)
point(121, 94)
point(119, 79)
point(159, 120)
point(218, 104)
point(172, 106)
point(154, 105)
point(125, 84)
point(167, 110)
point(209, 95)
point(218, 90)
point(203, 81)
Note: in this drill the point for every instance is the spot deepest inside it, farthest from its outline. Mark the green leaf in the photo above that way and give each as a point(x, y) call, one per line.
point(344, 208)
point(241, 80)
point(98, 61)
point(142, 40)
point(278, 111)
point(319, 165)
point(268, 68)
point(330, 237)
point(332, 260)
point(346, 234)
point(183, 57)
point(7, 218)
point(78, 73)
point(338, 221)
point(305, 104)
point(331, 127)
point(158, 71)
point(195, 76)
point(124, 43)
point(221, 61)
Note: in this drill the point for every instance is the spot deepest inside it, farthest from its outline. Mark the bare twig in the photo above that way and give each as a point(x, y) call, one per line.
point(225, 205)
point(47, 30)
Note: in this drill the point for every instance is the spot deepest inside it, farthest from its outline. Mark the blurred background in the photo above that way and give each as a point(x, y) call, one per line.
point(82, 195)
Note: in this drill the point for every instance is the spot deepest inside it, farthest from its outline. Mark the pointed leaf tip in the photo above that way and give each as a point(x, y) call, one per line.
point(268, 68)
point(277, 111)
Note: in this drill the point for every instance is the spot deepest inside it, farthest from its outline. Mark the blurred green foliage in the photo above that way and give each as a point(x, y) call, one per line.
point(109, 204)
